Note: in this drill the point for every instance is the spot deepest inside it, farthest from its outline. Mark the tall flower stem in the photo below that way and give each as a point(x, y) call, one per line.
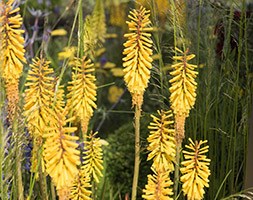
point(177, 167)
point(53, 195)
point(179, 136)
point(43, 182)
point(137, 65)
point(182, 98)
point(18, 162)
point(19, 175)
point(137, 117)
point(2, 140)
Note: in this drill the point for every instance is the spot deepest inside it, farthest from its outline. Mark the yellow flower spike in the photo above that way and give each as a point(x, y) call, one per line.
point(38, 108)
point(60, 153)
point(195, 170)
point(162, 142)
point(138, 52)
point(81, 187)
point(60, 148)
point(158, 187)
point(82, 92)
point(39, 96)
point(183, 90)
point(12, 43)
point(93, 159)
point(12, 53)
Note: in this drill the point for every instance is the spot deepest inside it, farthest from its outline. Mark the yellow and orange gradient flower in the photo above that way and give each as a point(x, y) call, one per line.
point(39, 96)
point(60, 153)
point(93, 158)
point(158, 187)
point(163, 152)
point(138, 52)
point(162, 141)
point(82, 92)
point(81, 188)
point(12, 53)
point(195, 170)
point(12, 41)
point(183, 90)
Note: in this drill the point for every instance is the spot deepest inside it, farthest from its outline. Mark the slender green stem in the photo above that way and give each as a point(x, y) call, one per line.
point(64, 67)
point(33, 175)
point(18, 160)
point(157, 41)
point(137, 151)
point(31, 185)
point(2, 143)
point(230, 146)
point(235, 109)
point(19, 177)
point(43, 183)
point(80, 31)
point(174, 24)
point(223, 182)
point(176, 175)
point(247, 137)
point(93, 191)
point(199, 29)
point(53, 195)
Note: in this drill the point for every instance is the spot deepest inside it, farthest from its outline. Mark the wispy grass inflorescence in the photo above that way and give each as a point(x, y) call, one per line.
point(183, 90)
point(82, 92)
point(195, 170)
point(162, 141)
point(12, 53)
point(160, 6)
point(93, 158)
point(117, 17)
point(94, 29)
point(98, 20)
point(89, 38)
point(138, 52)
